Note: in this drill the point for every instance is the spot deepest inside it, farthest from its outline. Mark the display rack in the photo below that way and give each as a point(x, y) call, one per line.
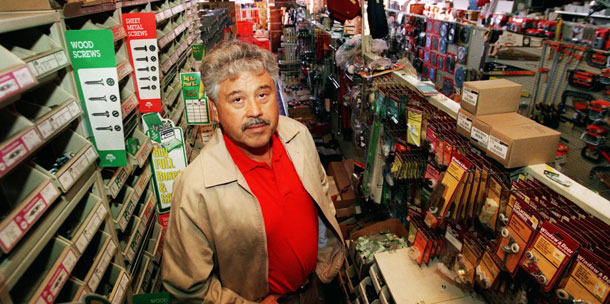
point(62, 236)
point(580, 195)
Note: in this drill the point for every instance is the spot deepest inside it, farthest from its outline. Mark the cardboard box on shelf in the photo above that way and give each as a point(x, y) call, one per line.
point(299, 111)
point(27, 5)
point(522, 145)
point(486, 97)
point(482, 126)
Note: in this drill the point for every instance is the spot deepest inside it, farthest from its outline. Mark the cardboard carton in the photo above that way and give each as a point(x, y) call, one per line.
point(482, 126)
point(27, 5)
point(391, 225)
point(342, 180)
point(522, 145)
point(491, 96)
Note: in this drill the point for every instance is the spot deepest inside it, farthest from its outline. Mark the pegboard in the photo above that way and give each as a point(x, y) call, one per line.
point(528, 82)
point(473, 42)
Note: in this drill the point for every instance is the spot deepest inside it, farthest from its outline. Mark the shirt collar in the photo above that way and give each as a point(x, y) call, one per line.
point(243, 162)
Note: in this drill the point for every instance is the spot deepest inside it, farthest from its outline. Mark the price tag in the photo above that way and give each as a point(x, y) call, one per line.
point(47, 63)
point(15, 81)
point(129, 105)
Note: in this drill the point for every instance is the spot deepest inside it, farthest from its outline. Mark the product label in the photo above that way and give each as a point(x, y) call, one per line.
point(520, 232)
point(464, 122)
point(129, 105)
point(12, 153)
point(470, 96)
point(144, 152)
point(120, 289)
point(17, 225)
point(587, 282)
point(15, 81)
point(488, 270)
point(58, 278)
point(497, 147)
point(48, 63)
point(61, 117)
point(551, 251)
point(479, 136)
point(414, 124)
point(452, 180)
point(76, 169)
point(168, 156)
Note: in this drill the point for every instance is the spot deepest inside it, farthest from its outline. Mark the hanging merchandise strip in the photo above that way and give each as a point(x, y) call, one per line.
point(92, 55)
point(168, 156)
point(144, 57)
point(195, 102)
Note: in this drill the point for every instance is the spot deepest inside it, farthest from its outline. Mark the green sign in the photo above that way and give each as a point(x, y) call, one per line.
point(198, 51)
point(152, 298)
point(195, 102)
point(168, 157)
point(93, 59)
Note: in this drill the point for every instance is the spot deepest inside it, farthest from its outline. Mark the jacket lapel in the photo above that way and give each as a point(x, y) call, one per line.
point(220, 168)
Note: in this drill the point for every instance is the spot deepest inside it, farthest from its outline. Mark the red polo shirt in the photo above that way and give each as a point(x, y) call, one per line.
point(290, 215)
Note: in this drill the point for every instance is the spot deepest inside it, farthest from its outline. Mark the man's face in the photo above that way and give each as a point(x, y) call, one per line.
point(247, 109)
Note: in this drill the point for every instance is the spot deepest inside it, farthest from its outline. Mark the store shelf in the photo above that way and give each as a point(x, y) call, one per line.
point(141, 181)
point(47, 274)
point(577, 193)
point(33, 193)
point(410, 283)
point(101, 263)
point(596, 15)
point(115, 178)
point(154, 246)
point(67, 143)
point(18, 261)
point(12, 21)
point(76, 9)
point(144, 271)
point(122, 207)
point(144, 150)
point(19, 138)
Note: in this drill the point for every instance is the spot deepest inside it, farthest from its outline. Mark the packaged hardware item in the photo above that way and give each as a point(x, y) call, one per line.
point(548, 255)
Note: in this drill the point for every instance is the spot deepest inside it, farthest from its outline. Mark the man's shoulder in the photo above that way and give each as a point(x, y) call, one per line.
point(288, 122)
point(290, 127)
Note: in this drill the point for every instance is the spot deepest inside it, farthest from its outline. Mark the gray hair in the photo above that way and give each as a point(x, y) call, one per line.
point(229, 58)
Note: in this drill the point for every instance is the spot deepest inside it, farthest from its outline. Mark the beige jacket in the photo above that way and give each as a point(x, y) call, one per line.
point(215, 247)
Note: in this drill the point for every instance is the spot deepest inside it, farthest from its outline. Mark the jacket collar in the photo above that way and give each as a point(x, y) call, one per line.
point(220, 168)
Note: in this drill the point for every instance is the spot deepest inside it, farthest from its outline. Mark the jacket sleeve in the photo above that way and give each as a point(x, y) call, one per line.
point(332, 255)
point(188, 258)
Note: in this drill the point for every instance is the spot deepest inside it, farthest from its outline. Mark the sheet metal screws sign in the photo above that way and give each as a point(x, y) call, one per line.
point(144, 57)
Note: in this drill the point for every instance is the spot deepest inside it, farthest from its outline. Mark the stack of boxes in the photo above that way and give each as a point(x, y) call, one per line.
point(488, 116)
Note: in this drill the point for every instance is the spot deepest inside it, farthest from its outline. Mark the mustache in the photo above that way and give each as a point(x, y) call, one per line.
point(254, 122)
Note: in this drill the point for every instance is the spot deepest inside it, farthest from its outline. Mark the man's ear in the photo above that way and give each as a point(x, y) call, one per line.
point(214, 111)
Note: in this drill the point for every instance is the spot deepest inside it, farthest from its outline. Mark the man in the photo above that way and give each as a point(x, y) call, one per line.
point(251, 219)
